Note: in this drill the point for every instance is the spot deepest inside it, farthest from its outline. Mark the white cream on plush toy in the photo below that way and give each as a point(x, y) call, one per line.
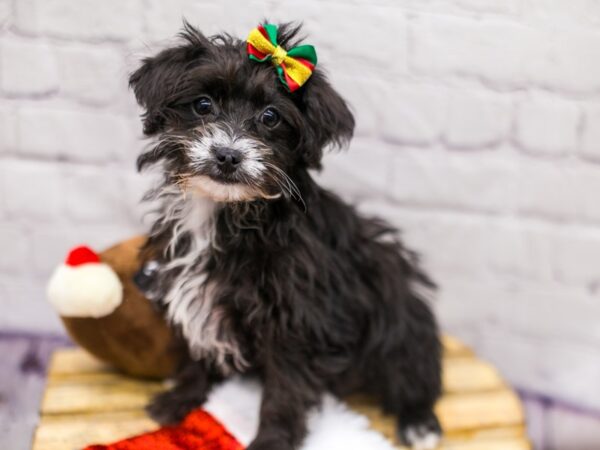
point(84, 286)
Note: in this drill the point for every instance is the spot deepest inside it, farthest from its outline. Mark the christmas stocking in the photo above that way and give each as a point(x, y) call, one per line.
point(229, 421)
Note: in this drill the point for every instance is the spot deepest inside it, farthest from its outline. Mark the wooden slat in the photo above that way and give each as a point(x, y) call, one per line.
point(106, 392)
point(480, 410)
point(71, 432)
point(496, 444)
point(464, 374)
point(75, 361)
point(487, 434)
point(501, 444)
point(457, 413)
point(453, 347)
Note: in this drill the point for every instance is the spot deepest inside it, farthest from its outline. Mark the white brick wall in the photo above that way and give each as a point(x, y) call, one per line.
point(478, 133)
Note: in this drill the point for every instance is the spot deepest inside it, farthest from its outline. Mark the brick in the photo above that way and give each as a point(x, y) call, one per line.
point(412, 114)
point(35, 190)
point(482, 182)
point(590, 141)
point(517, 251)
point(574, 256)
point(573, 13)
point(568, 63)
point(16, 249)
point(8, 130)
point(463, 304)
point(164, 19)
point(72, 134)
point(476, 120)
point(547, 189)
point(25, 298)
point(586, 187)
point(92, 74)
point(490, 6)
point(84, 19)
point(28, 67)
point(50, 246)
point(547, 126)
point(504, 7)
point(570, 428)
point(240, 17)
point(492, 50)
point(559, 192)
point(94, 195)
point(5, 12)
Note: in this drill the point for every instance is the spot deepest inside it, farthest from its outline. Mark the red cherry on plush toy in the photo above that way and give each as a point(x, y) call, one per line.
point(84, 286)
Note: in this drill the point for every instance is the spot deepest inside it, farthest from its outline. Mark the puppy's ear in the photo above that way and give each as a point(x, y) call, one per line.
point(156, 80)
point(330, 121)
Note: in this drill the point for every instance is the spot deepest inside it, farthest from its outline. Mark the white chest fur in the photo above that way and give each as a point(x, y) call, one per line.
point(190, 299)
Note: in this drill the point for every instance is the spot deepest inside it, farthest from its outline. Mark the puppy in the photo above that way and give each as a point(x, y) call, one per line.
point(261, 269)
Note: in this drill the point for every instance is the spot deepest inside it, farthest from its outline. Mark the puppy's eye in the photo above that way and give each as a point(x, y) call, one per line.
point(202, 106)
point(270, 117)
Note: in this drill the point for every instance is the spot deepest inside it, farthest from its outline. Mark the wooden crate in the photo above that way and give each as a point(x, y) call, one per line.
point(86, 402)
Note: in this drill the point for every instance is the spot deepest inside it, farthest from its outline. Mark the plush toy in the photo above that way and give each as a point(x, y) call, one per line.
point(105, 313)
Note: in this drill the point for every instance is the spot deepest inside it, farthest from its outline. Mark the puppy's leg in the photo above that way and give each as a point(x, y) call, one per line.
point(411, 380)
point(192, 385)
point(411, 396)
point(419, 427)
point(287, 397)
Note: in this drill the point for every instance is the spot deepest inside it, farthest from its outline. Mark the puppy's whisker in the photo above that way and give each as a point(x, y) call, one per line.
point(292, 187)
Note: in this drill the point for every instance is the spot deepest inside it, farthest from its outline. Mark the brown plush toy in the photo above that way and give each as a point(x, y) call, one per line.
point(106, 314)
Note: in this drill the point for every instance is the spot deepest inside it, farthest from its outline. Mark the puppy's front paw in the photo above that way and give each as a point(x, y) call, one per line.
point(172, 406)
point(421, 434)
point(269, 444)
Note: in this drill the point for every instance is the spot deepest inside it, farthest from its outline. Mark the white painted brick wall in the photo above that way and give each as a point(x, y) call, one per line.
point(478, 133)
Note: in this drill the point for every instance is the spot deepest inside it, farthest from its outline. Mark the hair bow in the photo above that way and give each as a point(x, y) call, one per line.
point(293, 66)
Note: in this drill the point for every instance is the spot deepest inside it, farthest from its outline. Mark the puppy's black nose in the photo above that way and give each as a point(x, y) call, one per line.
point(228, 158)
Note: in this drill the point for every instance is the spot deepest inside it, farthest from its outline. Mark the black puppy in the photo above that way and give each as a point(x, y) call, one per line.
point(261, 269)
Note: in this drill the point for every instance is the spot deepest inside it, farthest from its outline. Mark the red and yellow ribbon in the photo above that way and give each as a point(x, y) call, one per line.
point(294, 66)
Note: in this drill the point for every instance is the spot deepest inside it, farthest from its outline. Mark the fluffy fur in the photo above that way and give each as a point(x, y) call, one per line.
point(261, 269)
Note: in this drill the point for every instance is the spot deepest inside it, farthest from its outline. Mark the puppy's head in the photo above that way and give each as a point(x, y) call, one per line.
point(226, 127)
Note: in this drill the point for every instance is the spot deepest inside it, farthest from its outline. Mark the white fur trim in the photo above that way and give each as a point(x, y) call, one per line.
point(236, 404)
point(88, 290)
